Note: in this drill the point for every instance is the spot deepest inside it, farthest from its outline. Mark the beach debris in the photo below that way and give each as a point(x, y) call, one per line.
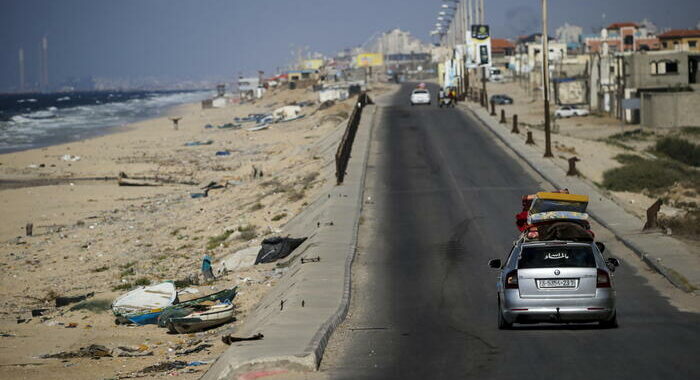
point(326, 104)
point(131, 352)
point(258, 128)
point(186, 307)
point(200, 195)
point(257, 173)
point(38, 312)
point(124, 180)
point(93, 351)
point(165, 366)
point(189, 351)
point(207, 272)
point(208, 126)
point(70, 157)
point(198, 143)
point(198, 363)
point(176, 121)
point(228, 339)
point(29, 229)
point(144, 304)
point(212, 185)
point(229, 126)
point(71, 325)
point(276, 248)
point(305, 260)
point(223, 153)
point(63, 301)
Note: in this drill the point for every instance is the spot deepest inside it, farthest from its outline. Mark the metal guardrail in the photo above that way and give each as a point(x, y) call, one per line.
point(342, 155)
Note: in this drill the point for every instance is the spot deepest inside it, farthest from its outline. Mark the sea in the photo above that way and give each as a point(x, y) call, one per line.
point(30, 121)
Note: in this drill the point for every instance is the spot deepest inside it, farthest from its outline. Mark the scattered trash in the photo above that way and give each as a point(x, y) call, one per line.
point(229, 126)
point(316, 259)
point(6, 335)
point(276, 248)
point(38, 312)
point(259, 128)
point(223, 153)
point(213, 185)
point(200, 195)
point(198, 143)
point(63, 301)
point(124, 180)
point(165, 366)
point(206, 269)
point(208, 126)
point(199, 348)
point(71, 325)
point(70, 157)
point(94, 351)
point(198, 363)
point(228, 339)
point(326, 104)
point(131, 352)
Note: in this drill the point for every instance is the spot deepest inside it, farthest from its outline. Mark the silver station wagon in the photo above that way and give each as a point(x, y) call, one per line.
point(556, 282)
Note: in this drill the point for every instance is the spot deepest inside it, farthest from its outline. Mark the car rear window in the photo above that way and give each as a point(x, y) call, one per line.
point(556, 257)
point(420, 92)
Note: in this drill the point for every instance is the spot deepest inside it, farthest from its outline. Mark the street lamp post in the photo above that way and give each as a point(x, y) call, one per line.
point(545, 77)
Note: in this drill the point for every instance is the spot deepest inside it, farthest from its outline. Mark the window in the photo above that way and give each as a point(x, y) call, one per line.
point(556, 257)
point(692, 43)
point(664, 44)
point(629, 40)
point(663, 67)
point(671, 67)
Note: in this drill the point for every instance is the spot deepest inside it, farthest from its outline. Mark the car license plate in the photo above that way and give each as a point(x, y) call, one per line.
point(557, 283)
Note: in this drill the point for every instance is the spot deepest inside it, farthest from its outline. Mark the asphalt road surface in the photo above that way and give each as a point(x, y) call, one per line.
point(443, 199)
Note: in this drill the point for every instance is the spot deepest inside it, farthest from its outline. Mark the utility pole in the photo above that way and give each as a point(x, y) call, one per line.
point(545, 76)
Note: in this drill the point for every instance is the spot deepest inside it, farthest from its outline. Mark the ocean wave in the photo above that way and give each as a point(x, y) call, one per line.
point(57, 125)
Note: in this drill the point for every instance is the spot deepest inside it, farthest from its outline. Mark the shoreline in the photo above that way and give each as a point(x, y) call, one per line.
point(96, 236)
point(97, 132)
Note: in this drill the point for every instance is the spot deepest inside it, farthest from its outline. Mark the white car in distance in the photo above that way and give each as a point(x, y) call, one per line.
point(420, 96)
point(569, 111)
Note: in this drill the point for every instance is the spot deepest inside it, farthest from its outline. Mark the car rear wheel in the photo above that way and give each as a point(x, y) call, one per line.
point(610, 323)
point(502, 323)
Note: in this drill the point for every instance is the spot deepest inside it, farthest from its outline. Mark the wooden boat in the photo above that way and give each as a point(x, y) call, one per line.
point(144, 304)
point(198, 320)
point(181, 309)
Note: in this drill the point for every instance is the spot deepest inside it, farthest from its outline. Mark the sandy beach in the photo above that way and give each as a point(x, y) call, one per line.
point(91, 235)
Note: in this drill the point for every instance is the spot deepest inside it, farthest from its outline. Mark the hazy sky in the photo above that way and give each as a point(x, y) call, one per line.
point(201, 39)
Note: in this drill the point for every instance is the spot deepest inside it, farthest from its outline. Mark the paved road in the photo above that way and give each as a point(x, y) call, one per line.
point(444, 198)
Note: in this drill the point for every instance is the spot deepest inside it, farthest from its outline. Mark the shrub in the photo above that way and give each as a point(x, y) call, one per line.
point(215, 241)
point(279, 216)
point(638, 174)
point(680, 150)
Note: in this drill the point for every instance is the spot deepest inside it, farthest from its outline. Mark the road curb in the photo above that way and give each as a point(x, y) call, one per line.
point(298, 316)
point(630, 239)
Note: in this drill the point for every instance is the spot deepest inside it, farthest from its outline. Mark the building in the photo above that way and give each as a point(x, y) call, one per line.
point(570, 35)
point(502, 47)
point(396, 41)
point(621, 37)
point(681, 39)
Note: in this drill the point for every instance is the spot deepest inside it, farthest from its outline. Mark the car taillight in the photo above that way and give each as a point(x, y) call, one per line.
point(512, 279)
point(603, 279)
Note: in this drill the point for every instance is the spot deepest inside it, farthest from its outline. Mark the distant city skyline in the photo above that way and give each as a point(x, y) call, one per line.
point(214, 39)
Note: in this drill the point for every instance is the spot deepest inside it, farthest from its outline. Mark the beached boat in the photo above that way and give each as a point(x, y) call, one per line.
point(145, 303)
point(198, 320)
point(181, 309)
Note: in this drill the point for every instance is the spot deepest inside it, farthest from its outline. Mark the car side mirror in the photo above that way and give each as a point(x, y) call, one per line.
point(495, 263)
point(601, 246)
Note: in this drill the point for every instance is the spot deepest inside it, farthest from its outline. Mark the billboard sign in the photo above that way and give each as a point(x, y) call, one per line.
point(370, 59)
point(480, 40)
